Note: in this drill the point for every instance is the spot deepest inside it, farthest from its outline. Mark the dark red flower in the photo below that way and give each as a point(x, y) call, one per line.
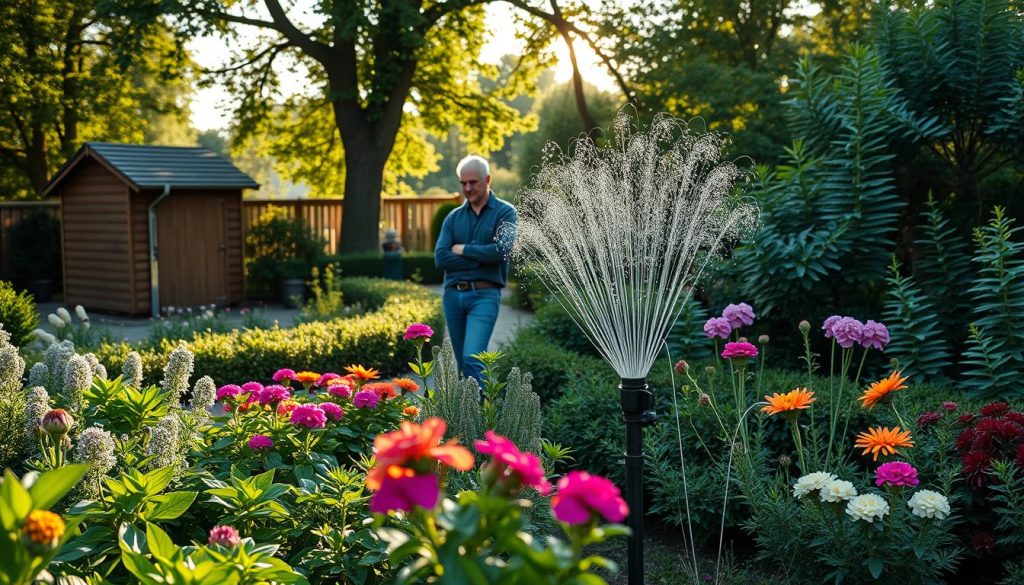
point(995, 409)
point(965, 418)
point(983, 542)
point(950, 406)
point(1019, 459)
point(1016, 417)
point(927, 419)
point(966, 439)
point(975, 466)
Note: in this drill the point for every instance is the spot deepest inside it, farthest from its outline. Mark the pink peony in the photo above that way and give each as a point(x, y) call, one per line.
point(340, 390)
point(252, 387)
point(284, 374)
point(273, 394)
point(310, 416)
point(827, 325)
point(332, 410)
point(418, 331)
point(717, 327)
point(874, 335)
point(510, 462)
point(896, 473)
point(739, 315)
point(847, 332)
point(401, 489)
point(365, 399)
point(740, 350)
point(580, 495)
point(228, 391)
point(225, 536)
point(260, 442)
point(324, 379)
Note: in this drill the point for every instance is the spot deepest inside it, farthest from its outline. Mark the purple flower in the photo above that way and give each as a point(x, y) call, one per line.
point(324, 379)
point(273, 394)
point(310, 416)
point(365, 399)
point(897, 473)
point(225, 536)
point(252, 387)
point(827, 325)
point(332, 410)
point(718, 327)
point(874, 335)
point(418, 331)
point(284, 374)
point(848, 332)
point(739, 315)
point(260, 442)
point(740, 350)
point(228, 391)
point(339, 390)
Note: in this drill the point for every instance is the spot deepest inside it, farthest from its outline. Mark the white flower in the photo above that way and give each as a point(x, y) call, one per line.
point(929, 504)
point(80, 311)
point(64, 315)
point(866, 507)
point(43, 336)
point(837, 490)
point(812, 482)
point(96, 446)
point(56, 321)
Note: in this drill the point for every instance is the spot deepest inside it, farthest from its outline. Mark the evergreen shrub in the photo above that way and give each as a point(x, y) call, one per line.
point(17, 313)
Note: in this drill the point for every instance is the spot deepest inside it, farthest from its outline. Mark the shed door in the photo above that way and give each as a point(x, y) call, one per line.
point(192, 251)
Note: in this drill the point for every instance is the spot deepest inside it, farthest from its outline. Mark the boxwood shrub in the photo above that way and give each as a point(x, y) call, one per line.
point(417, 266)
point(373, 339)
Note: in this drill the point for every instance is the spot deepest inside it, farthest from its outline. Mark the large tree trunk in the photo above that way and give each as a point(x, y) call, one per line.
point(360, 222)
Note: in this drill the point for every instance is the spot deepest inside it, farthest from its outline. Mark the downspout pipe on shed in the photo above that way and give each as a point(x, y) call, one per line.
point(154, 256)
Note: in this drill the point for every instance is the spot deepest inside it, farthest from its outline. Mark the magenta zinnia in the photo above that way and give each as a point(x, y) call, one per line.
point(418, 331)
point(284, 374)
point(332, 410)
point(225, 536)
point(511, 465)
point(739, 350)
point(228, 391)
point(365, 399)
point(581, 495)
point(896, 473)
point(309, 416)
point(260, 442)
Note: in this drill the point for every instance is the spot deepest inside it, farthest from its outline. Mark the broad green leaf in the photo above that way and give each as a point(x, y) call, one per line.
point(51, 486)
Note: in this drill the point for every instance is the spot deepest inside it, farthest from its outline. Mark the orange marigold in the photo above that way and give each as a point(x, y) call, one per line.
point(307, 377)
point(406, 385)
point(883, 440)
point(382, 389)
point(362, 374)
point(880, 389)
point(796, 399)
point(411, 411)
point(43, 528)
point(411, 444)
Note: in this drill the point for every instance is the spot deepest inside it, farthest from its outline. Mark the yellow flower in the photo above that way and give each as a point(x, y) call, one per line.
point(883, 440)
point(362, 374)
point(797, 399)
point(43, 528)
point(880, 389)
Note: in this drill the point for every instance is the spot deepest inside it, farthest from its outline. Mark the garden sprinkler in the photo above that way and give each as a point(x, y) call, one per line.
point(619, 235)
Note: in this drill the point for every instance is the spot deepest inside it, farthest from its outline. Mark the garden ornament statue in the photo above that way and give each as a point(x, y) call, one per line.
point(619, 235)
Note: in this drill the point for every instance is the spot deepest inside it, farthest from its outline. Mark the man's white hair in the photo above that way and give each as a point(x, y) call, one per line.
point(473, 163)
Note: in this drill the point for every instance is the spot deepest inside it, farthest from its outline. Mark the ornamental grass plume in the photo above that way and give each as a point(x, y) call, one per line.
point(929, 504)
point(717, 327)
point(881, 389)
point(581, 497)
point(897, 474)
point(883, 440)
point(739, 315)
point(867, 507)
point(509, 468)
point(812, 482)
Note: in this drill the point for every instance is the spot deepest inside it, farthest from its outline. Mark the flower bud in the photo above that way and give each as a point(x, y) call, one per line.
point(681, 367)
point(703, 399)
point(894, 364)
point(42, 530)
point(804, 327)
point(785, 461)
point(225, 536)
point(710, 370)
point(763, 340)
point(743, 340)
point(57, 422)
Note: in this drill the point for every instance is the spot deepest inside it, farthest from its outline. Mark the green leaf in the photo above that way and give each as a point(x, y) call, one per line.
point(875, 566)
point(158, 480)
point(170, 506)
point(51, 486)
point(19, 502)
point(160, 545)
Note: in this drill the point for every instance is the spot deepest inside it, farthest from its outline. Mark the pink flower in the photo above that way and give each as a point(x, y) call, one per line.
point(323, 380)
point(827, 325)
point(739, 315)
point(874, 335)
point(950, 406)
point(339, 390)
point(228, 391)
point(273, 394)
point(309, 416)
point(260, 442)
point(717, 327)
point(284, 374)
point(897, 473)
point(929, 418)
point(580, 495)
point(739, 350)
point(365, 399)
point(418, 331)
point(401, 489)
point(252, 387)
point(681, 366)
point(332, 410)
point(511, 463)
point(225, 536)
point(848, 332)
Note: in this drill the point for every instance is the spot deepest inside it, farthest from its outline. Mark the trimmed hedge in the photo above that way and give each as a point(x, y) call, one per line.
point(371, 264)
point(373, 339)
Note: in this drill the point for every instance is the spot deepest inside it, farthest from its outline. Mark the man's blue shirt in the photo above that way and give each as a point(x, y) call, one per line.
point(484, 256)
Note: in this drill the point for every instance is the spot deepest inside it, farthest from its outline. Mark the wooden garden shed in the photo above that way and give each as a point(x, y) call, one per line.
point(115, 197)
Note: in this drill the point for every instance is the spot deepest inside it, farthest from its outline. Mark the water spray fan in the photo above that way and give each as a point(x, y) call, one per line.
point(619, 234)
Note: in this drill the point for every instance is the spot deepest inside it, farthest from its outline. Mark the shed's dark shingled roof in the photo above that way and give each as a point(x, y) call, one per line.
point(182, 167)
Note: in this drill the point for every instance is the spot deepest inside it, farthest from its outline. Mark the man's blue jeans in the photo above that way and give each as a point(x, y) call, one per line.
point(471, 315)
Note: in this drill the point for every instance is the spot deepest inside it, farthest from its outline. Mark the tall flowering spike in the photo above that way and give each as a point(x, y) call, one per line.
point(96, 447)
point(204, 394)
point(620, 233)
point(56, 360)
point(94, 364)
point(38, 375)
point(164, 442)
point(177, 373)
point(37, 405)
point(131, 371)
point(77, 379)
point(12, 367)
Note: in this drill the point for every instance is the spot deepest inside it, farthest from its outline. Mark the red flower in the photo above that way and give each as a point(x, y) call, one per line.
point(381, 389)
point(950, 406)
point(512, 465)
point(995, 409)
point(965, 418)
point(975, 467)
point(927, 419)
point(983, 542)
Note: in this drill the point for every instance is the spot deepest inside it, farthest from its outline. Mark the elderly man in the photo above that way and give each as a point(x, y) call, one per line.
point(474, 263)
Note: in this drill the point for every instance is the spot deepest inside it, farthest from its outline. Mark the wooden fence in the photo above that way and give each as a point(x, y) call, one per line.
point(11, 213)
point(409, 216)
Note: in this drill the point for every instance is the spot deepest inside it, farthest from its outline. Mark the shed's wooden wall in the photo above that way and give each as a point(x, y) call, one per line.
point(140, 250)
point(96, 242)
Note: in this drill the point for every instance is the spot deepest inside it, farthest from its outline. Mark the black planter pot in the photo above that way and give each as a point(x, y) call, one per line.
point(291, 292)
point(41, 289)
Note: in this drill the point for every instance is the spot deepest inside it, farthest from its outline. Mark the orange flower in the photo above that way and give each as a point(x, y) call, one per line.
point(362, 374)
point(382, 389)
point(285, 407)
point(43, 528)
point(884, 441)
point(414, 443)
point(880, 389)
point(411, 411)
point(406, 385)
point(797, 399)
point(307, 377)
